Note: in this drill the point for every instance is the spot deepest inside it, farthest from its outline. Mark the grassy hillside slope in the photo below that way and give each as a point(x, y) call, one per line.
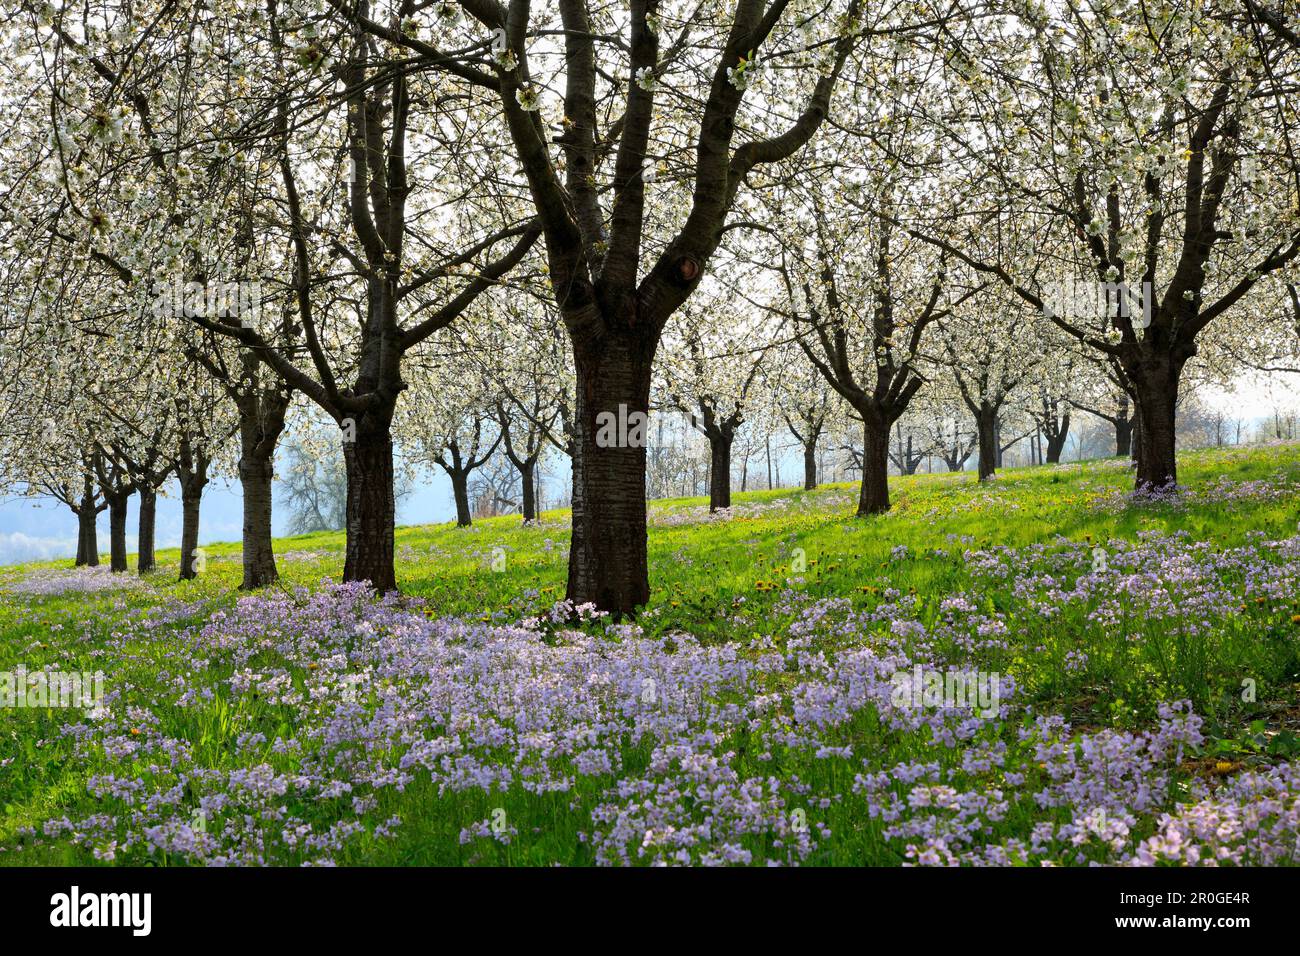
point(1145, 654)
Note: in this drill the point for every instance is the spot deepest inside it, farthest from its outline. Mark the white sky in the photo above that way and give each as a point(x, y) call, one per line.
point(1257, 395)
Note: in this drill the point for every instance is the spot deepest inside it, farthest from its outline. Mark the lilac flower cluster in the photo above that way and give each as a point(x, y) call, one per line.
point(1222, 491)
point(287, 727)
point(1252, 821)
point(55, 582)
point(1188, 586)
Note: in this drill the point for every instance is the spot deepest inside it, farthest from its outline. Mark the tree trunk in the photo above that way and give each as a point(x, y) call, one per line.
point(1135, 445)
point(371, 508)
point(261, 421)
point(528, 489)
point(873, 497)
point(607, 557)
point(460, 491)
point(1056, 443)
point(145, 543)
point(256, 474)
point(117, 514)
point(719, 473)
point(191, 502)
point(87, 534)
point(986, 421)
point(81, 540)
point(810, 466)
point(1157, 467)
point(1124, 436)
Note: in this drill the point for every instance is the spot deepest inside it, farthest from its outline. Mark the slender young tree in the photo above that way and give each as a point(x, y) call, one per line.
point(459, 462)
point(524, 438)
point(803, 401)
point(709, 378)
point(863, 325)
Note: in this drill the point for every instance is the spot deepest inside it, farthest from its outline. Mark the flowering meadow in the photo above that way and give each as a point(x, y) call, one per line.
point(1146, 653)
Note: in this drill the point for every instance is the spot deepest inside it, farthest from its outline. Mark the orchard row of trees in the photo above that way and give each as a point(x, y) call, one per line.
point(464, 228)
point(768, 453)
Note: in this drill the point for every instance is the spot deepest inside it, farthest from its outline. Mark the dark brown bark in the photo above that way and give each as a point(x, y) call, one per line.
point(262, 408)
point(608, 565)
point(873, 497)
point(614, 314)
point(907, 460)
point(528, 490)
point(956, 454)
point(460, 492)
point(719, 427)
point(984, 396)
point(1056, 442)
point(192, 472)
point(117, 515)
point(115, 488)
point(147, 521)
point(986, 426)
point(1123, 423)
point(1157, 398)
point(812, 421)
point(87, 534)
point(1123, 436)
point(1053, 421)
point(720, 430)
point(256, 474)
point(524, 456)
point(879, 403)
point(148, 472)
point(1135, 445)
point(191, 502)
point(459, 464)
point(720, 472)
point(1120, 420)
point(372, 509)
point(85, 539)
point(615, 320)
